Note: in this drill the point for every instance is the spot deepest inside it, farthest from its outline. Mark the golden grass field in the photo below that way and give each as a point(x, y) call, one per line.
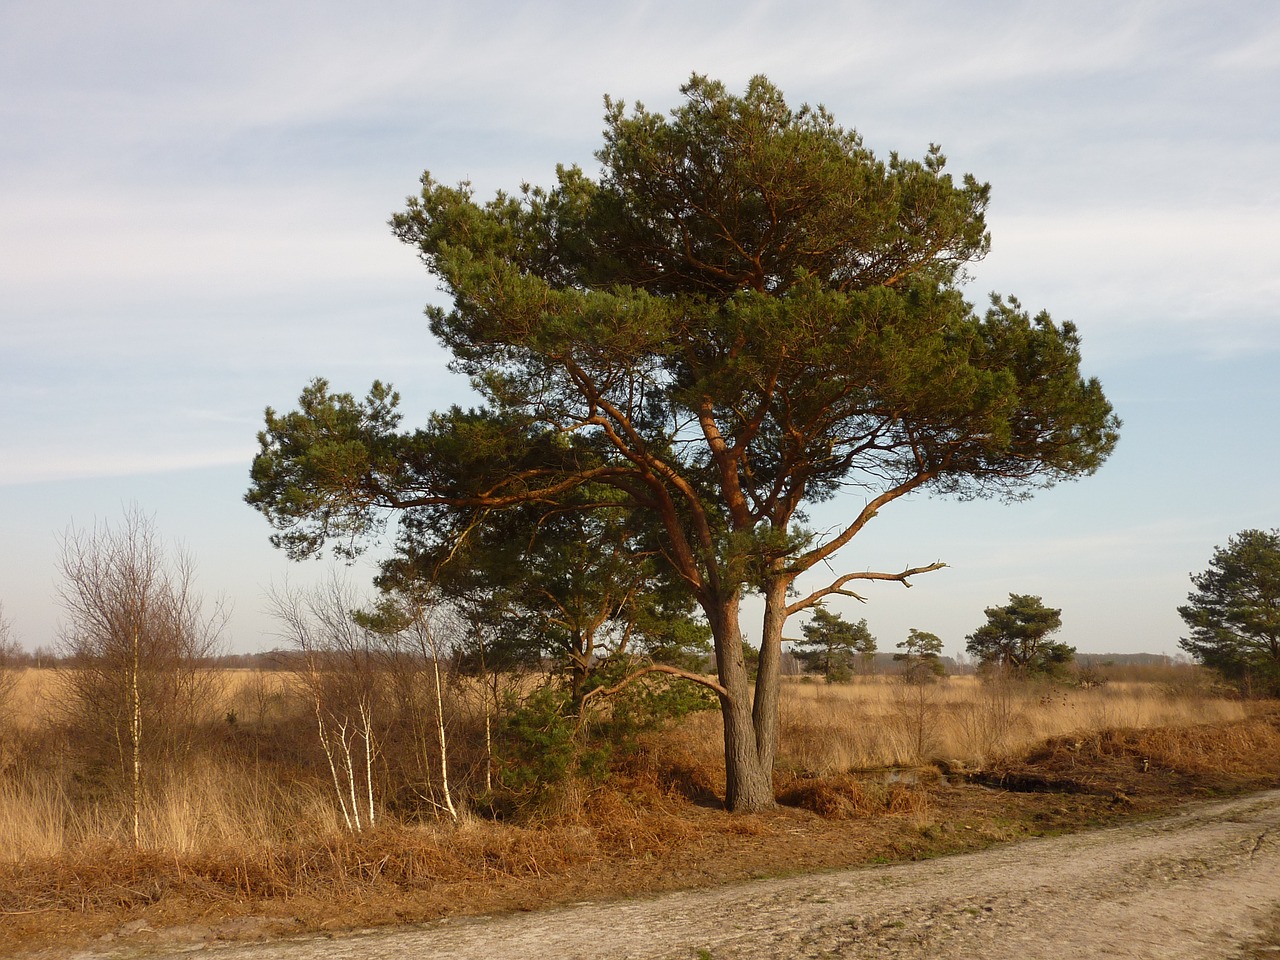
point(248, 823)
point(878, 722)
point(866, 724)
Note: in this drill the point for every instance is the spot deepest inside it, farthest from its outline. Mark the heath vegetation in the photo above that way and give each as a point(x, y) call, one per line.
point(335, 785)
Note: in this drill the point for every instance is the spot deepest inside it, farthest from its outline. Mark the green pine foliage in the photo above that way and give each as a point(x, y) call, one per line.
point(921, 656)
point(1015, 638)
point(833, 647)
point(1234, 612)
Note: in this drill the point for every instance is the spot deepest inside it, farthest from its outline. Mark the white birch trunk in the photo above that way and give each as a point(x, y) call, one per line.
point(135, 737)
point(444, 749)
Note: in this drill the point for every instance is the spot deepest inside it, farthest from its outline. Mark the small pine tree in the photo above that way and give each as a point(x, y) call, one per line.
point(831, 643)
point(921, 656)
point(1234, 612)
point(1016, 638)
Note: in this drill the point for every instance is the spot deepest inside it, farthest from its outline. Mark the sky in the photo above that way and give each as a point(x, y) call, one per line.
point(193, 207)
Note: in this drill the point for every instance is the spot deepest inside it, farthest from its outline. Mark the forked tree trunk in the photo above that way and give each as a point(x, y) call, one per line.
point(748, 781)
point(748, 784)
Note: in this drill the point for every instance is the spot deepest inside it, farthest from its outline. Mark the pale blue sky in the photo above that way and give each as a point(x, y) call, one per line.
point(193, 206)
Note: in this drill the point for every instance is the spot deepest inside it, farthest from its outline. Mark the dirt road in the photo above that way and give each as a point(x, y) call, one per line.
point(1195, 885)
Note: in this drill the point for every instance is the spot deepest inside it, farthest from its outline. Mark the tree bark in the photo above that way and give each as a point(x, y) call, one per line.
point(578, 666)
point(135, 737)
point(748, 781)
point(764, 714)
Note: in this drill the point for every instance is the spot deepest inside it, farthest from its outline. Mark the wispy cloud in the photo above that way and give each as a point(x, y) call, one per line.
point(1209, 277)
point(33, 466)
point(195, 197)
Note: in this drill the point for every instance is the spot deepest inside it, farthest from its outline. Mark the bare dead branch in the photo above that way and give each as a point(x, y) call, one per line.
point(837, 586)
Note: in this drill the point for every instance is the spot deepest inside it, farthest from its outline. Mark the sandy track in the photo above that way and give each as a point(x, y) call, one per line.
point(1193, 885)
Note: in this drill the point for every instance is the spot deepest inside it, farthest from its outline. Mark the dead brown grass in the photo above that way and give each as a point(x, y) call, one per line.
point(244, 830)
point(257, 798)
point(636, 834)
point(422, 870)
point(1203, 757)
point(254, 695)
point(879, 721)
point(848, 797)
point(30, 701)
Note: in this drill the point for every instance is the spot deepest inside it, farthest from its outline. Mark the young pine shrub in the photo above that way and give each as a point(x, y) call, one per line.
point(546, 752)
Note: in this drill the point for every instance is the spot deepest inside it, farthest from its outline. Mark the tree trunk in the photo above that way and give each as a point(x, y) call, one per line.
point(577, 679)
point(135, 738)
point(444, 743)
point(748, 781)
point(764, 714)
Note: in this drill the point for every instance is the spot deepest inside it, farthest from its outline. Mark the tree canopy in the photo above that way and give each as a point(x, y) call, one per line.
point(578, 581)
point(831, 642)
point(1016, 638)
point(921, 655)
point(1234, 612)
point(743, 315)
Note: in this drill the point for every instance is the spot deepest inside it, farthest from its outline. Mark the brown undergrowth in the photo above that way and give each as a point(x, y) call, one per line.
point(1196, 760)
point(652, 827)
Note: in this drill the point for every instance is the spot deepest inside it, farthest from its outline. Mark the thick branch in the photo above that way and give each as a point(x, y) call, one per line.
point(492, 500)
point(818, 554)
point(657, 668)
point(726, 462)
point(655, 472)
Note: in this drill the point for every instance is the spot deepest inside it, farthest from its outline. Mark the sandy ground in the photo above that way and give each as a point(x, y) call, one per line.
point(1204, 883)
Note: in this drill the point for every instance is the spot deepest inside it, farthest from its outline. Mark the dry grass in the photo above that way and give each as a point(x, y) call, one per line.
point(879, 722)
point(228, 800)
point(254, 695)
point(209, 806)
point(248, 820)
point(217, 865)
point(30, 701)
